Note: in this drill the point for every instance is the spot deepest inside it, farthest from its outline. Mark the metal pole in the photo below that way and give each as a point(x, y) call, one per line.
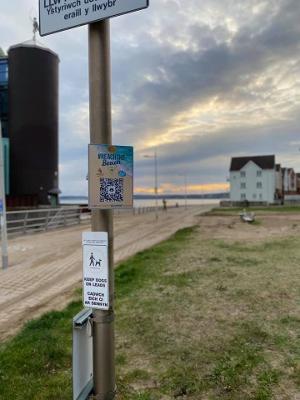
point(185, 192)
point(102, 220)
point(156, 185)
point(3, 213)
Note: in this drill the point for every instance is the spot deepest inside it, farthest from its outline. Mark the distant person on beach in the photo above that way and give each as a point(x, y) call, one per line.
point(164, 204)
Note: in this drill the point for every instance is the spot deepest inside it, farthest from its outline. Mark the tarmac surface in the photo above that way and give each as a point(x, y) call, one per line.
point(45, 268)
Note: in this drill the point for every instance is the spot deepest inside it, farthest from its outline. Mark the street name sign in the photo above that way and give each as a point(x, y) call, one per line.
point(110, 176)
point(59, 15)
point(95, 270)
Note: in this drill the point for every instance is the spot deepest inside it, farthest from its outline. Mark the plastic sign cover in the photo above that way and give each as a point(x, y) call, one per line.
point(110, 176)
point(59, 15)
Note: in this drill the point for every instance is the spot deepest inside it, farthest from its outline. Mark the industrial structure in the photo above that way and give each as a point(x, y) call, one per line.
point(29, 115)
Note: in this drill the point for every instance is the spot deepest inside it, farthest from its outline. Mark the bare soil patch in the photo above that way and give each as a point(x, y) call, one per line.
point(266, 226)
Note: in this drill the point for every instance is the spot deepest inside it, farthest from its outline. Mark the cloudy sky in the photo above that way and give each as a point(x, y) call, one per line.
point(201, 81)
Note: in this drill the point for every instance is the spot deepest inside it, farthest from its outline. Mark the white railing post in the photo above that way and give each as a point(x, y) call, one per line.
point(25, 222)
point(47, 220)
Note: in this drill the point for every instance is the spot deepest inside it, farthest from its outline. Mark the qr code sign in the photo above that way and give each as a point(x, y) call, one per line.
point(111, 190)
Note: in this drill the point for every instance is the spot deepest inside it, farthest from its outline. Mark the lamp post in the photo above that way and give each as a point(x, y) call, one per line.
point(102, 220)
point(185, 191)
point(3, 207)
point(154, 156)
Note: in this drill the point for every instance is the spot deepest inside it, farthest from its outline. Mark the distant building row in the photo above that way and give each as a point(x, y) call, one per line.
point(259, 179)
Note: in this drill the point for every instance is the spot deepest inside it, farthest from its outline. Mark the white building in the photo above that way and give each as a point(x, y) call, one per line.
point(254, 179)
point(289, 180)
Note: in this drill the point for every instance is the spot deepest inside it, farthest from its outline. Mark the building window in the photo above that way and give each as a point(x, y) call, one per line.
point(3, 103)
point(243, 196)
point(243, 185)
point(254, 196)
point(259, 185)
point(258, 173)
point(260, 196)
point(243, 174)
point(3, 72)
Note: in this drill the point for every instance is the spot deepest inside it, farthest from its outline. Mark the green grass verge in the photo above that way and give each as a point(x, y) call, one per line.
point(195, 318)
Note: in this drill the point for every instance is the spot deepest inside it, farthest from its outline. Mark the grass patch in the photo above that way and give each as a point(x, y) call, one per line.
point(37, 362)
point(195, 319)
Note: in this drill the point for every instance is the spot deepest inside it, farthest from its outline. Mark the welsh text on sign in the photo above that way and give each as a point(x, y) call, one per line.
point(59, 15)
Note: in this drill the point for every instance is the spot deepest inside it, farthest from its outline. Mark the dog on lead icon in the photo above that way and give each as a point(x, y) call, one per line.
point(94, 262)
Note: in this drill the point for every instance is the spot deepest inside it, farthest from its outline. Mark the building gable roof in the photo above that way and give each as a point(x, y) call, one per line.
point(264, 162)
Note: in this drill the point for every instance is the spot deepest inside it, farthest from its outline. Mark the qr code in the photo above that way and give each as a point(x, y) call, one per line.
point(111, 190)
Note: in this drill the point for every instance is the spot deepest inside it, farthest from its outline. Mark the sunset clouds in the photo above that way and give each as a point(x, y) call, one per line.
point(200, 81)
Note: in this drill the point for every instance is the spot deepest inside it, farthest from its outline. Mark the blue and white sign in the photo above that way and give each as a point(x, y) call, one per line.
point(110, 176)
point(59, 15)
point(1, 206)
point(95, 270)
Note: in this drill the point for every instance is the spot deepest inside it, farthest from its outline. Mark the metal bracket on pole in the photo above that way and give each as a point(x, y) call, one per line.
point(82, 355)
point(103, 319)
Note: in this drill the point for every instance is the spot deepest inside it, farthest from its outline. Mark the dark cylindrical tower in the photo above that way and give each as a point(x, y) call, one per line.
point(33, 121)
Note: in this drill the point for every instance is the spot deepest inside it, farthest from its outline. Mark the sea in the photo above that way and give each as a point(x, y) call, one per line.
point(66, 200)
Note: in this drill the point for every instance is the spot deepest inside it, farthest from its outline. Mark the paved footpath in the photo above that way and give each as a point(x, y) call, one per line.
point(46, 267)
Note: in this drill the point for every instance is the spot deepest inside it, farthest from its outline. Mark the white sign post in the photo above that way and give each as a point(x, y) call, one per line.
point(95, 270)
point(59, 15)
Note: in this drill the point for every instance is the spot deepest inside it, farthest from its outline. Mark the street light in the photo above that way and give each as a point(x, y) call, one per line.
point(154, 156)
point(185, 191)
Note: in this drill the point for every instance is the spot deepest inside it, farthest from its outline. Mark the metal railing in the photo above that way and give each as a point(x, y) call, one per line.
point(39, 220)
point(135, 210)
point(31, 221)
